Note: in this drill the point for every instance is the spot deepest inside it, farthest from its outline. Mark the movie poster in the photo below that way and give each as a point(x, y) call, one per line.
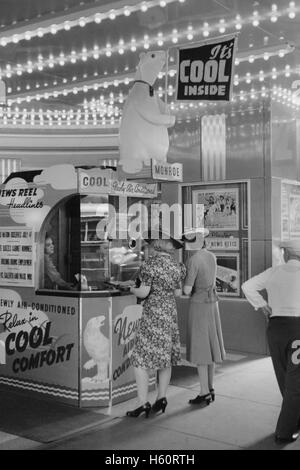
point(228, 278)
point(221, 208)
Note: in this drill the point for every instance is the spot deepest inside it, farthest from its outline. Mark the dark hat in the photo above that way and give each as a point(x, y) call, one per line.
point(156, 234)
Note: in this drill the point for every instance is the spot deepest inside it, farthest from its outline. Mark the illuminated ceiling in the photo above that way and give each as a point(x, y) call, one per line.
point(73, 61)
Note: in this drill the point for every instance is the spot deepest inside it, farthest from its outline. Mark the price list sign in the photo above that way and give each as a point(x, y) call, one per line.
point(16, 256)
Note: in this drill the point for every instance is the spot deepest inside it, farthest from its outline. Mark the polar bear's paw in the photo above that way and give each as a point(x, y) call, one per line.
point(132, 166)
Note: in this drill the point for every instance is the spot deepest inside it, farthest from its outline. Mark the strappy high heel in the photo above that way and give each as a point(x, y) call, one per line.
point(142, 409)
point(160, 404)
point(213, 395)
point(200, 399)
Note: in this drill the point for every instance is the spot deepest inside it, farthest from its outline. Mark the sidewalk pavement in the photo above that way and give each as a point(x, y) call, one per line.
point(243, 417)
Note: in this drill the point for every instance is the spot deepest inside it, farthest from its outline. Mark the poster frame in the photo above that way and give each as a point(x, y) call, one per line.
point(212, 191)
point(236, 256)
point(245, 219)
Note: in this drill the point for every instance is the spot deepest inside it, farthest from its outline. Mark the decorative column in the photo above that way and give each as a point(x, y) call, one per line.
point(8, 166)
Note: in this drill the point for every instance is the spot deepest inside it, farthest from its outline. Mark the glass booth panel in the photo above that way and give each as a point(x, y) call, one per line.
point(59, 247)
point(111, 246)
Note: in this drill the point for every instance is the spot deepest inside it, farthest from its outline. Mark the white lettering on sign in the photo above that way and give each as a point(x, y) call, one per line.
point(195, 71)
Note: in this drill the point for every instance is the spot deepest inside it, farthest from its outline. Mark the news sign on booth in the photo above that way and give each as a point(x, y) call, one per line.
point(206, 70)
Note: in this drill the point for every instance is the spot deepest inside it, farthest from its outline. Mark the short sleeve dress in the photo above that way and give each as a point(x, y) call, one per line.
point(204, 343)
point(157, 343)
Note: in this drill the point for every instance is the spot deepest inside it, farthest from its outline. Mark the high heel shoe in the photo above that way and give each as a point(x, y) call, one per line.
point(160, 404)
point(142, 409)
point(200, 399)
point(213, 395)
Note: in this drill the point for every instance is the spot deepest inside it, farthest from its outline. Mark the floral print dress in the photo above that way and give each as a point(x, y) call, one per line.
point(157, 343)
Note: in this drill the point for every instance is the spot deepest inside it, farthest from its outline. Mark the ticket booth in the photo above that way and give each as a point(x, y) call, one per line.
point(67, 319)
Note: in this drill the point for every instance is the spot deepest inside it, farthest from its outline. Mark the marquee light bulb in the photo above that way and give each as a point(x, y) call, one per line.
point(98, 18)
point(112, 15)
point(292, 12)
point(274, 15)
point(222, 27)
point(238, 22)
point(53, 29)
point(255, 19)
point(205, 30)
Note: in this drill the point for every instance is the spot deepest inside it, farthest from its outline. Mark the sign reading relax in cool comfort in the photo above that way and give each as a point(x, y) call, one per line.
point(205, 72)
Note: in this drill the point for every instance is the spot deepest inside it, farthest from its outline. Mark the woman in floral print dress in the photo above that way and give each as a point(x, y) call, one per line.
point(157, 344)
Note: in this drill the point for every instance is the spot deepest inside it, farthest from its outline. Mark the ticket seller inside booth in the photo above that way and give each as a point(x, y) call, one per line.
point(75, 317)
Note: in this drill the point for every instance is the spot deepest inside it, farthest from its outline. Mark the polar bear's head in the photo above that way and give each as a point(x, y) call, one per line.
point(151, 63)
point(96, 322)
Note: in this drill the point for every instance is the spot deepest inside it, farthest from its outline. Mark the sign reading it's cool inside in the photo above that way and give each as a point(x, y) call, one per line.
point(205, 72)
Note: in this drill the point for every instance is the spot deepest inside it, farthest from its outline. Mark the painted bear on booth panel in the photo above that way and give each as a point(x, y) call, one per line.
point(146, 118)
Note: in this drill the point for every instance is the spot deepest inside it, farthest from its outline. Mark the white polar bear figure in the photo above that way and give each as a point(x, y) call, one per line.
point(145, 120)
point(97, 347)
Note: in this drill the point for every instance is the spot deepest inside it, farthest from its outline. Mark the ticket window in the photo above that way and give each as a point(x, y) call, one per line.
point(59, 247)
point(108, 253)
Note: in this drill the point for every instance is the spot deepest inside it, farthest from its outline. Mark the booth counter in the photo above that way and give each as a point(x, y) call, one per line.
point(67, 321)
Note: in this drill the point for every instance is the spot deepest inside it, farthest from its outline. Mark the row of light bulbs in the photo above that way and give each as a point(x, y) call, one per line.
point(248, 78)
point(82, 21)
point(80, 116)
point(172, 72)
point(85, 54)
point(256, 18)
point(85, 88)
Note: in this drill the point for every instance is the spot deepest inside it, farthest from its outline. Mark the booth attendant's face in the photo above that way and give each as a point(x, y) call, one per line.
point(49, 246)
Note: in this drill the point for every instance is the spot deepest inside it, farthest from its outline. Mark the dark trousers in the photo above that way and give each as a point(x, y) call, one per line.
point(283, 333)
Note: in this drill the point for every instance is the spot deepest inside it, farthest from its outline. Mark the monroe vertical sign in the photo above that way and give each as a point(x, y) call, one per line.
point(205, 72)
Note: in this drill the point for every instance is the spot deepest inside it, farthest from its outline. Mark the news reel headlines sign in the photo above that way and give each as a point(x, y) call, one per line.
point(205, 71)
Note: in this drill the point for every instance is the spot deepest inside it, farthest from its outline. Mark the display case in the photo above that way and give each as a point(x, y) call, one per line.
point(223, 208)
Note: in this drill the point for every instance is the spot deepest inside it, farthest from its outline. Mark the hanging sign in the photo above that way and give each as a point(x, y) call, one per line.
point(167, 171)
point(205, 71)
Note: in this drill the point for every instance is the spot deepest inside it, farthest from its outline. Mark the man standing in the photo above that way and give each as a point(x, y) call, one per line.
point(282, 284)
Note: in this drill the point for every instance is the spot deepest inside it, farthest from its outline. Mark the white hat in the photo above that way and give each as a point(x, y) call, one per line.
point(293, 246)
point(191, 234)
